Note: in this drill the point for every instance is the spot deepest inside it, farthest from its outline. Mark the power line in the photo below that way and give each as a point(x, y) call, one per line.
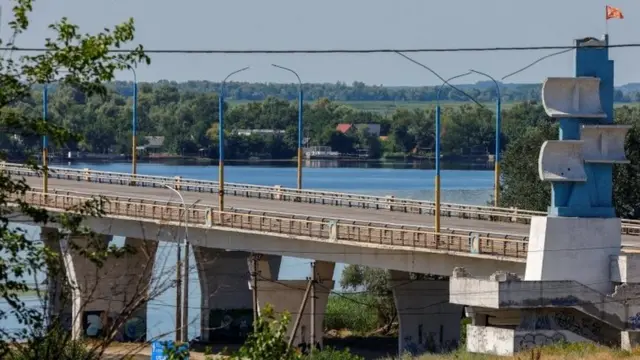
point(344, 51)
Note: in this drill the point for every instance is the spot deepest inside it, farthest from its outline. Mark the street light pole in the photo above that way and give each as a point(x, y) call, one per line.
point(300, 108)
point(221, 139)
point(45, 140)
point(496, 186)
point(437, 179)
point(134, 126)
point(182, 288)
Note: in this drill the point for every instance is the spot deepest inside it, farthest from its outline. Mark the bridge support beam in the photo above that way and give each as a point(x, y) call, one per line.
point(111, 297)
point(428, 322)
point(287, 295)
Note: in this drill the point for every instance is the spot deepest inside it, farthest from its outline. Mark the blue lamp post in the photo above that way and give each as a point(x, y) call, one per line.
point(221, 139)
point(134, 125)
point(45, 140)
point(496, 186)
point(437, 179)
point(300, 107)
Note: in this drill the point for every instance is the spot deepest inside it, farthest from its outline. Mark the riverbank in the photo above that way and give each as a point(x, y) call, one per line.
point(417, 163)
point(450, 160)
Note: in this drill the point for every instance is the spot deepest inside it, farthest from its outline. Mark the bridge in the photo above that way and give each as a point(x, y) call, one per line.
point(325, 227)
point(577, 286)
point(462, 217)
point(402, 248)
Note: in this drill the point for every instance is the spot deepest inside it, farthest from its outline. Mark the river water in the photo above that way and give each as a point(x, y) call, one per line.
point(401, 180)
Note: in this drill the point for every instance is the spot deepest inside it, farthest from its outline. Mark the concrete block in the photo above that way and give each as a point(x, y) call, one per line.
point(576, 249)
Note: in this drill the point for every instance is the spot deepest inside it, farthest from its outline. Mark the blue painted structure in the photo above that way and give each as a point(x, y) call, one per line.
point(593, 198)
point(158, 350)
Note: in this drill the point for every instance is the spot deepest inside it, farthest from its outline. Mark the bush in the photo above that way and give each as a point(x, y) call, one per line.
point(56, 344)
point(269, 340)
point(351, 311)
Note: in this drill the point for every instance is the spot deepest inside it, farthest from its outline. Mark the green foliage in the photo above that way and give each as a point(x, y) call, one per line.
point(81, 62)
point(333, 354)
point(521, 185)
point(356, 312)
point(379, 98)
point(626, 193)
point(269, 340)
point(375, 282)
point(55, 344)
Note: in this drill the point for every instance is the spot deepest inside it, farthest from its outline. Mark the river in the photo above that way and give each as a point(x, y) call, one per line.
point(398, 179)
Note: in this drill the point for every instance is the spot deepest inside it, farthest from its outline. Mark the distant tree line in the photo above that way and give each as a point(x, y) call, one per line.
point(483, 91)
point(188, 122)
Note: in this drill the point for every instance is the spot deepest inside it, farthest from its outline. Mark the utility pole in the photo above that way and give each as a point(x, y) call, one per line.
point(254, 275)
point(178, 296)
point(313, 306)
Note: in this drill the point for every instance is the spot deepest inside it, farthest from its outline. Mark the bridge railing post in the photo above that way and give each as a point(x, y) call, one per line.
point(333, 230)
point(278, 189)
point(86, 174)
point(177, 182)
point(390, 202)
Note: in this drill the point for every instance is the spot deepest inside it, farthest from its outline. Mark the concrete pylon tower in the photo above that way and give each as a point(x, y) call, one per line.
point(577, 238)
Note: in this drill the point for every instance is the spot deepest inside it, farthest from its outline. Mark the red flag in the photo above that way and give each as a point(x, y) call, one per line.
point(613, 13)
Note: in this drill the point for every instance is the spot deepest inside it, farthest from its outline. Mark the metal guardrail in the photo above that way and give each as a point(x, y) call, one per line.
point(629, 227)
point(506, 247)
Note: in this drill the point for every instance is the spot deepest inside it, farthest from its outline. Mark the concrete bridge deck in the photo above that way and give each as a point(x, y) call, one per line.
point(516, 230)
point(284, 195)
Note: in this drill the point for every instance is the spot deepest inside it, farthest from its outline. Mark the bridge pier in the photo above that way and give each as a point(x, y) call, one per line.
point(287, 295)
point(428, 321)
point(57, 301)
point(109, 297)
point(226, 301)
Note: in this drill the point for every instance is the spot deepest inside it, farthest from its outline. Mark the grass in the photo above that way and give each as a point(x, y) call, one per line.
point(388, 107)
point(575, 351)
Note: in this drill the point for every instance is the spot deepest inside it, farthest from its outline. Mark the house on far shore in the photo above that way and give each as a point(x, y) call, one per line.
point(153, 144)
point(373, 129)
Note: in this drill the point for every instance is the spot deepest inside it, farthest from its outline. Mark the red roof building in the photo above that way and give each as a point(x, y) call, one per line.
point(343, 128)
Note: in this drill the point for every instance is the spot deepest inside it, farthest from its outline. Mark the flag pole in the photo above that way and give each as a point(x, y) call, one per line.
point(606, 20)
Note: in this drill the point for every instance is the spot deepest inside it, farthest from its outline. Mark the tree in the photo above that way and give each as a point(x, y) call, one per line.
point(375, 282)
point(521, 185)
point(83, 62)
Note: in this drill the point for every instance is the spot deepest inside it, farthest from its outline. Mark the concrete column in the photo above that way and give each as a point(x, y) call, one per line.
point(226, 301)
point(113, 296)
point(58, 297)
point(428, 322)
point(287, 295)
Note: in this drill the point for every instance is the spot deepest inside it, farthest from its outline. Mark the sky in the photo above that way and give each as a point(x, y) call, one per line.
point(352, 24)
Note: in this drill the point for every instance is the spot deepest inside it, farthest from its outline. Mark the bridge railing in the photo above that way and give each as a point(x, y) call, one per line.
point(409, 237)
point(630, 227)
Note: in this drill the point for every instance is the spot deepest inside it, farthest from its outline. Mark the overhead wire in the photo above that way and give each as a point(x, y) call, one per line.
point(343, 51)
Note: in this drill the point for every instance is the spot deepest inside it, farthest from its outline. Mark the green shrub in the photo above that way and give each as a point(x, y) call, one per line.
point(351, 311)
point(54, 343)
point(269, 340)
